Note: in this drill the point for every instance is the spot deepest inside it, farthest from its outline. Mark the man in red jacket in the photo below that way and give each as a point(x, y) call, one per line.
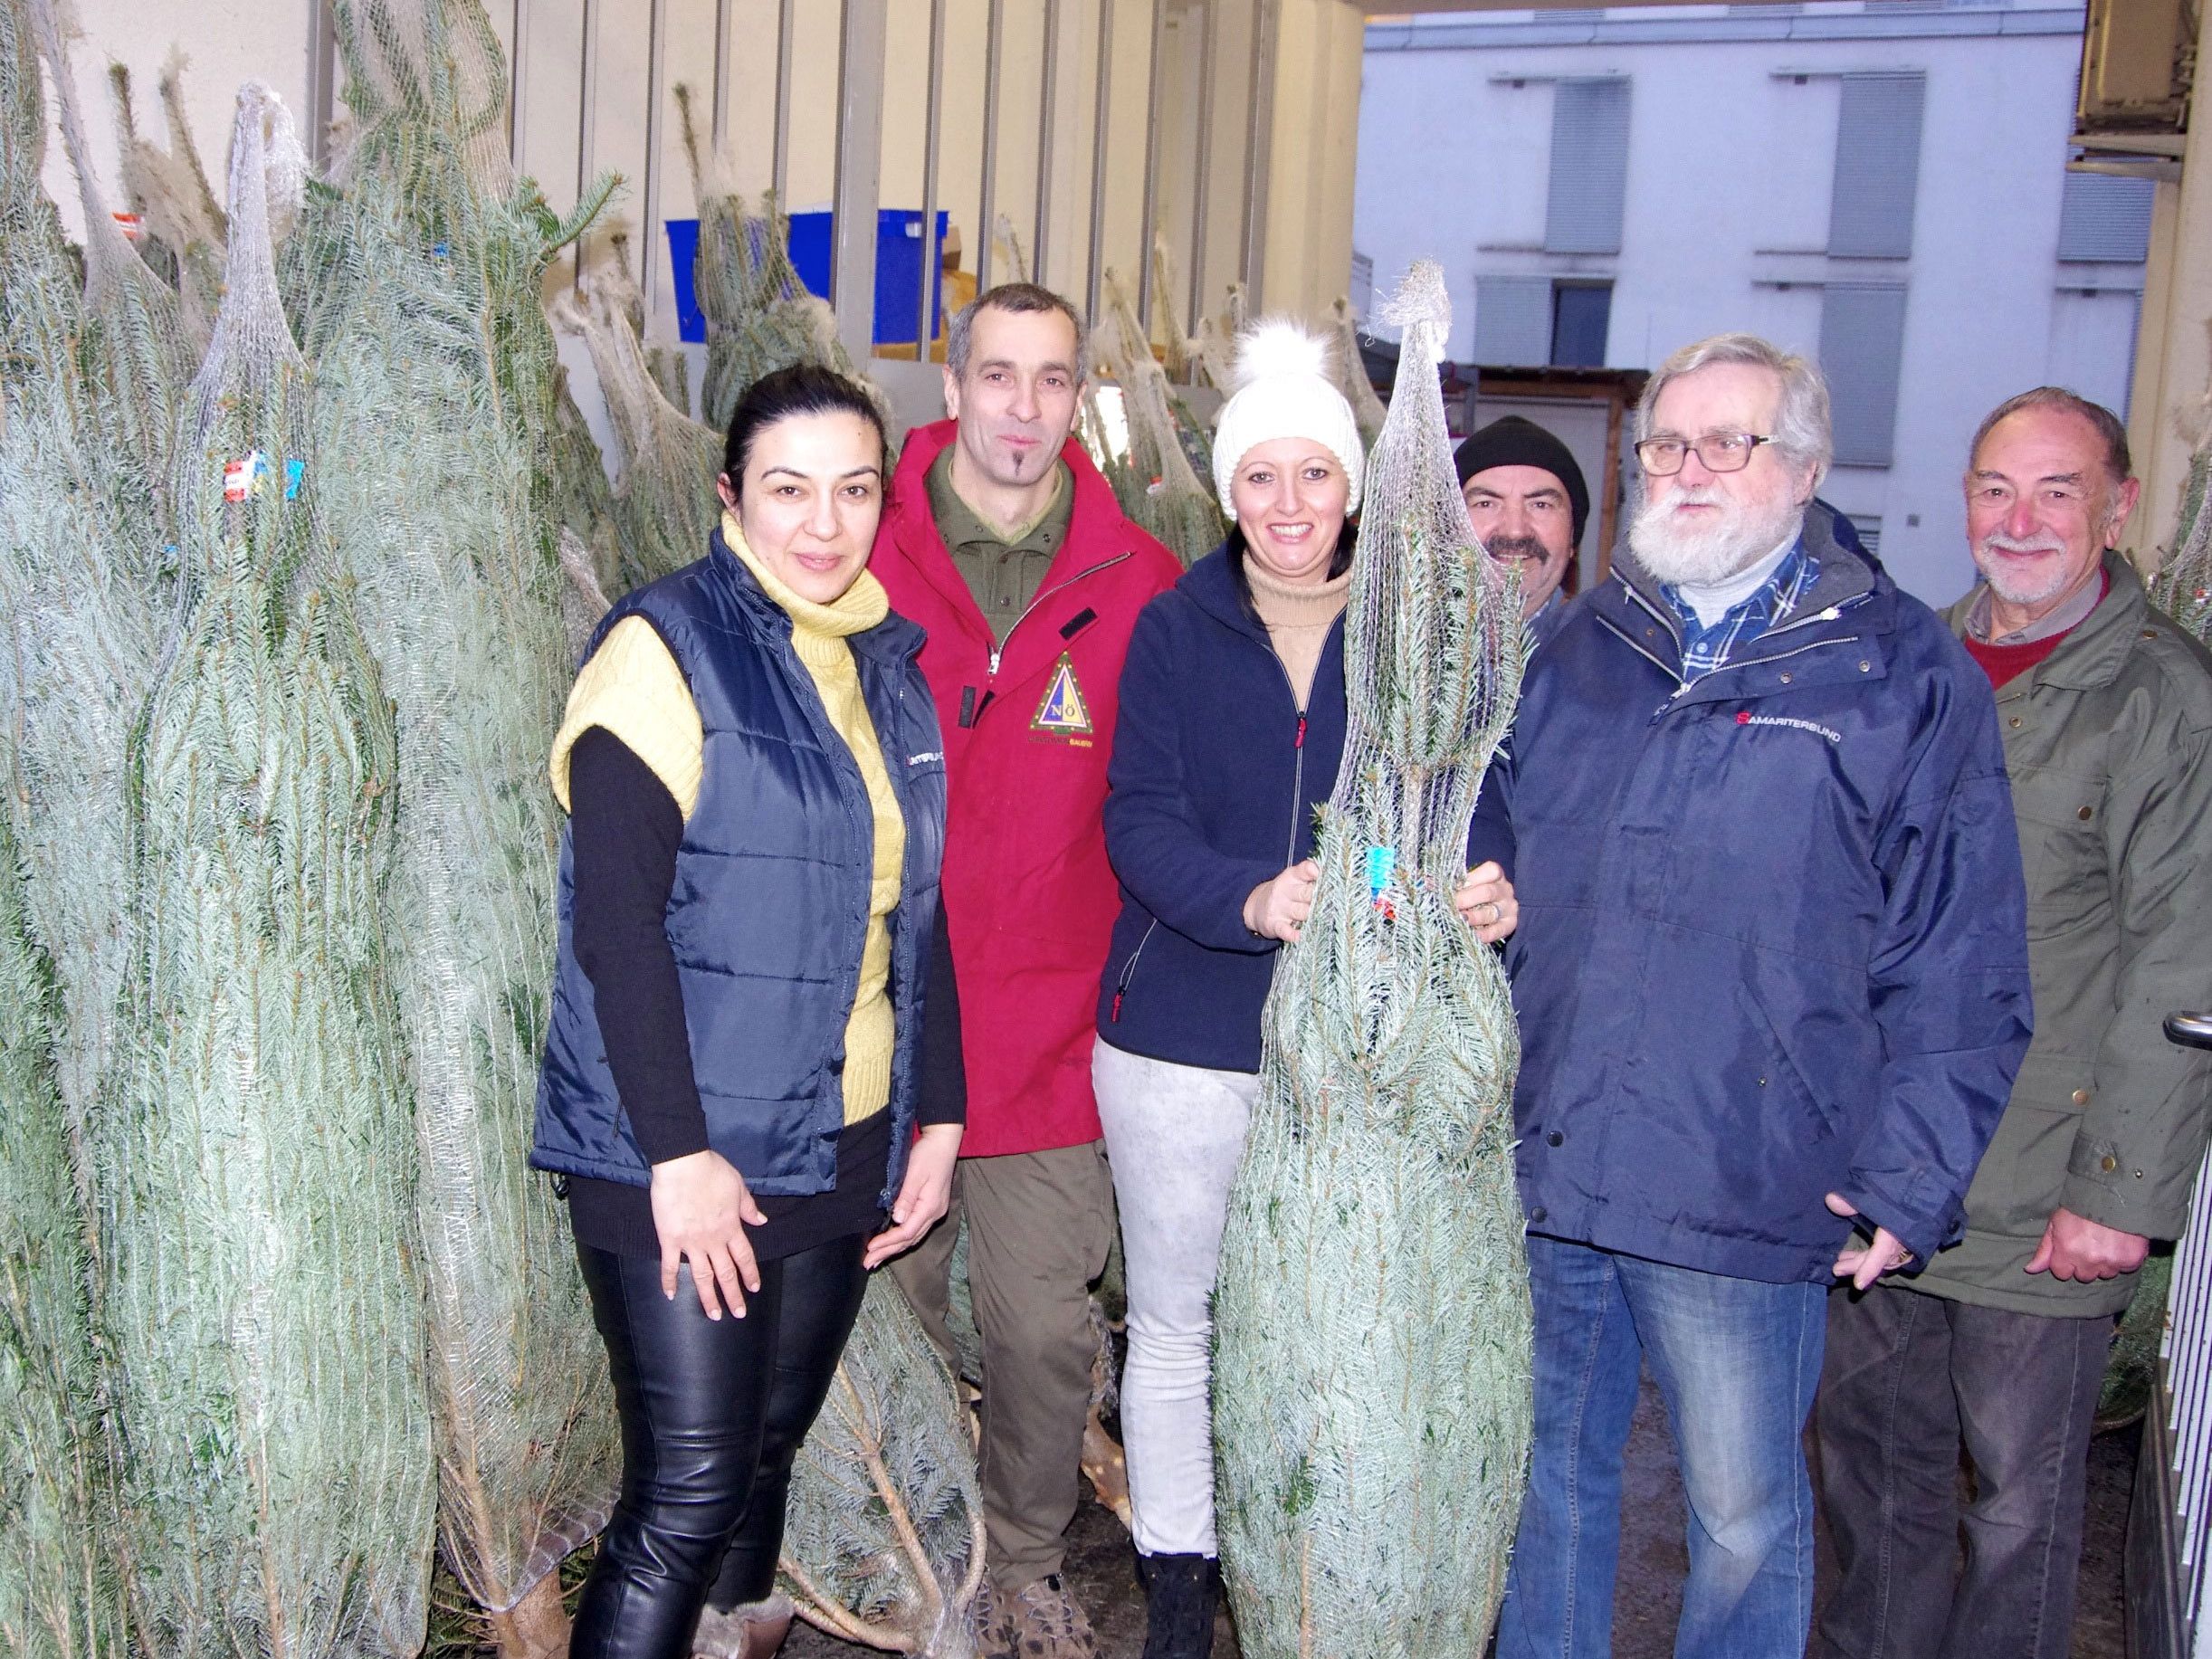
point(1006, 544)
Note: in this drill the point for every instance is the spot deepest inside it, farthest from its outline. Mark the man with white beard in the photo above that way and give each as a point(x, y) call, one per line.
point(2106, 710)
point(1771, 976)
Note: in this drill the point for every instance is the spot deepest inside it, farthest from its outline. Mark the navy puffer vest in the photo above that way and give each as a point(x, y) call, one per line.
point(769, 910)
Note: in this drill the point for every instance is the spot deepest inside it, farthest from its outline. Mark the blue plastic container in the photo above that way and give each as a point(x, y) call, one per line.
point(900, 266)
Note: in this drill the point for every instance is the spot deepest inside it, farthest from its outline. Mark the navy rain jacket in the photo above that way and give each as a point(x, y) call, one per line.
point(1772, 937)
point(1214, 779)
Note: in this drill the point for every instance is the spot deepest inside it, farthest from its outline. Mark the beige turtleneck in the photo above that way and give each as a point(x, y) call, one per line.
point(1297, 619)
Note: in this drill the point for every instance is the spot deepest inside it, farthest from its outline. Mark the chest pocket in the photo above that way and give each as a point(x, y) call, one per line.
point(2061, 819)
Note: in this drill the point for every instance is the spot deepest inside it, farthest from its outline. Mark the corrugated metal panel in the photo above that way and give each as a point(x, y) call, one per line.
point(1862, 348)
point(1589, 166)
point(1513, 321)
point(1877, 166)
point(2105, 217)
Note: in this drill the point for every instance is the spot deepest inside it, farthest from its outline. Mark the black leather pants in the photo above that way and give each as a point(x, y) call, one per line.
point(712, 1413)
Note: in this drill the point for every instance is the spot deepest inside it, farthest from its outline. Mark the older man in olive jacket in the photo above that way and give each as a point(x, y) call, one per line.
point(2105, 706)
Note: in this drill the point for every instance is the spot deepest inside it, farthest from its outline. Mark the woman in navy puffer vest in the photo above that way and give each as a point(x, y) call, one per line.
point(1232, 727)
point(749, 888)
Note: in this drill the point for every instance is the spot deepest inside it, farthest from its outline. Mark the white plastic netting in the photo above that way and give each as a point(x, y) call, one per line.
point(1158, 483)
point(254, 1176)
point(421, 278)
point(181, 222)
point(665, 462)
point(759, 316)
point(883, 1543)
point(1372, 1372)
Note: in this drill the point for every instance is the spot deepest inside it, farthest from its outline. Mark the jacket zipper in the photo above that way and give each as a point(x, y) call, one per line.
point(1298, 767)
point(999, 649)
point(1129, 972)
point(1681, 685)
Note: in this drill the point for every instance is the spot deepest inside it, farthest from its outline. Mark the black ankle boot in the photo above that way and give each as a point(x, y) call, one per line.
point(1181, 1592)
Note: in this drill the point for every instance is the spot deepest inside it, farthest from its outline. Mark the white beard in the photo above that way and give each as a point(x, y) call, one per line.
point(1701, 558)
point(2002, 581)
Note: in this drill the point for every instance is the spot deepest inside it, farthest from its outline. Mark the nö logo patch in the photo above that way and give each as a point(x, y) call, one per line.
point(1744, 717)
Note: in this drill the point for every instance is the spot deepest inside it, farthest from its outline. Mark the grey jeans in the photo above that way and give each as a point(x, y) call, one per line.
point(1174, 1135)
point(1907, 1379)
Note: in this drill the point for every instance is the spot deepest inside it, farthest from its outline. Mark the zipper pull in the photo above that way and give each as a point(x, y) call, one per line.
point(1114, 1018)
point(1302, 733)
point(996, 651)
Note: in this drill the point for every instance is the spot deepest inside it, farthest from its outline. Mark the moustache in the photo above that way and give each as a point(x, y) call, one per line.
point(1997, 542)
point(1502, 547)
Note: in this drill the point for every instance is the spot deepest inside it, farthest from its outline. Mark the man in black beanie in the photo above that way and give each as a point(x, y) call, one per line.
point(1527, 502)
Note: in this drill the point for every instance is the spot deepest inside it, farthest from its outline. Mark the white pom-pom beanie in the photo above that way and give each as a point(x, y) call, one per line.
point(1283, 390)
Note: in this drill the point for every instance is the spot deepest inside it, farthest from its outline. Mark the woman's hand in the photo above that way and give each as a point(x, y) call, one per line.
point(1278, 908)
point(923, 1196)
point(699, 1208)
point(1486, 903)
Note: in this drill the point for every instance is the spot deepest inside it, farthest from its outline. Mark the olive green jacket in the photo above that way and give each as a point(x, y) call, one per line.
point(2105, 743)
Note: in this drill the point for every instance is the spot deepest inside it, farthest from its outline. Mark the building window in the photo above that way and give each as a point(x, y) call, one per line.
point(2102, 217)
point(1861, 349)
point(1513, 321)
point(1580, 312)
point(1528, 322)
point(1877, 166)
point(1589, 166)
point(1869, 529)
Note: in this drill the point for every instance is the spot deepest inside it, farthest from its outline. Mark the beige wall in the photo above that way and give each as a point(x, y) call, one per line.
point(1303, 234)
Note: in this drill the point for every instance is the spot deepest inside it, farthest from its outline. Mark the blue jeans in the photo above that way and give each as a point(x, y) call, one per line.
point(1736, 1361)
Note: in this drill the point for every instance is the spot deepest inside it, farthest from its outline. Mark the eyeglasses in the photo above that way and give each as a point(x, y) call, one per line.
point(1722, 452)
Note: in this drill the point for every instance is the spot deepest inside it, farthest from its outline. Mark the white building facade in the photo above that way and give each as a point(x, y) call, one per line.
point(1880, 184)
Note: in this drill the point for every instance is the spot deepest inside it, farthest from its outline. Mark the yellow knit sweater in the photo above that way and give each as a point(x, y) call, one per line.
point(633, 687)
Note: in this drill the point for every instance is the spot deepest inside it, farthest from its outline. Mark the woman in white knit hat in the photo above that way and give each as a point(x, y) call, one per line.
point(1230, 731)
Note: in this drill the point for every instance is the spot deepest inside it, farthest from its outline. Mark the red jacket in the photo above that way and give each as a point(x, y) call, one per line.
point(1029, 897)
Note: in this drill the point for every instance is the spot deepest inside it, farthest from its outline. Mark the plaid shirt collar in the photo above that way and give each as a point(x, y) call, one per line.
point(1704, 649)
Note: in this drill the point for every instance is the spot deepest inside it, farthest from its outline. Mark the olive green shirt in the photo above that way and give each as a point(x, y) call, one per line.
point(2107, 742)
point(1002, 572)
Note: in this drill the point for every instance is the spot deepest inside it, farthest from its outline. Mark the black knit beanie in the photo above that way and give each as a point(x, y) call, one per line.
point(1511, 442)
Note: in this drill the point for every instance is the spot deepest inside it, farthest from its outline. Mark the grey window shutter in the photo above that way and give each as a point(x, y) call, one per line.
point(1861, 349)
point(2102, 217)
point(1513, 321)
point(1877, 166)
point(1589, 166)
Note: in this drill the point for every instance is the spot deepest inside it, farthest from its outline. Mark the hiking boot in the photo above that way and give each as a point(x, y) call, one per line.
point(994, 1636)
point(1180, 1594)
point(751, 1630)
point(1047, 1624)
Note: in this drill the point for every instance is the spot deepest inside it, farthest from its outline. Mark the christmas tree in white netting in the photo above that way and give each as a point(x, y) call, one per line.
point(1157, 484)
point(1371, 1367)
point(759, 316)
point(420, 277)
point(255, 1177)
point(884, 1542)
point(665, 462)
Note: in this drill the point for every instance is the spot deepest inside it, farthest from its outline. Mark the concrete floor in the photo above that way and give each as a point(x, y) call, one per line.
point(1653, 1561)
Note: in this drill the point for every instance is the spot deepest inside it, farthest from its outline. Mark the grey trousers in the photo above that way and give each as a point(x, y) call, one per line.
point(1177, 1134)
point(1039, 1227)
point(1907, 1379)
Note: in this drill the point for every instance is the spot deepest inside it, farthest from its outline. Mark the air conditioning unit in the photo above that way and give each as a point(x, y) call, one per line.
point(2138, 61)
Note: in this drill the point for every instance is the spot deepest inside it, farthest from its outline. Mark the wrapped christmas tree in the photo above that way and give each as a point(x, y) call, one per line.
point(89, 378)
point(759, 316)
point(1157, 484)
point(58, 1578)
point(169, 190)
point(883, 1540)
point(420, 278)
point(1371, 1390)
point(664, 503)
point(254, 1171)
point(1353, 374)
